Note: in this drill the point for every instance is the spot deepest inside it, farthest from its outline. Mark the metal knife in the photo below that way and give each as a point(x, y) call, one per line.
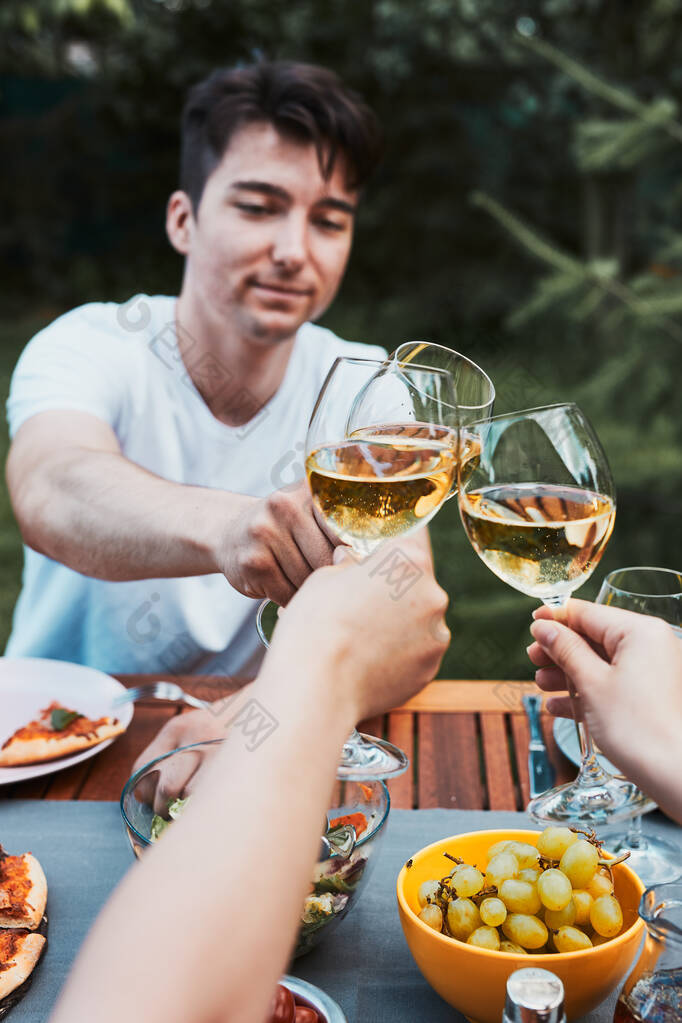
point(540, 771)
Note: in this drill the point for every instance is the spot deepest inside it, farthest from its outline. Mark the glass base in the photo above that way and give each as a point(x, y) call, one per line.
point(611, 800)
point(366, 757)
point(654, 860)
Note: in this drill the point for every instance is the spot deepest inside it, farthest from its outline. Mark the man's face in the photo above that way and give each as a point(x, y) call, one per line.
point(269, 244)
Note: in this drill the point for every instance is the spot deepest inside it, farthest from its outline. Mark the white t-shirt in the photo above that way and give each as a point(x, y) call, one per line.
point(122, 364)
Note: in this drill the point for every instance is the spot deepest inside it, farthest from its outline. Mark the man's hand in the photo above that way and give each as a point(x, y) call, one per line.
point(273, 544)
point(176, 776)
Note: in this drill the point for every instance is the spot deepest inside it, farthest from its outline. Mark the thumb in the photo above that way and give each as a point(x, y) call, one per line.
point(345, 555)
point(570, 652)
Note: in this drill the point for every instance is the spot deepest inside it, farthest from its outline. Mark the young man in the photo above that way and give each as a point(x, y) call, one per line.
point(157, 444)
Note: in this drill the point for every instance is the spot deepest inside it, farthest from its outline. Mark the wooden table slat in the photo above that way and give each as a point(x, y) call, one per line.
point(498, 772)
point(68, 784)
point(401, 733)
point(520, 738)
point(446, 695)
point(448, 772)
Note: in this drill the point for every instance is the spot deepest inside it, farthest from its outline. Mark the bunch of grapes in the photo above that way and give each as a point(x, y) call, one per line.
point(553, 897)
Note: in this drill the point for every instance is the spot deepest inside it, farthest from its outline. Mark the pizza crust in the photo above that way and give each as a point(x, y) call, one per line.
point(28, 751)
point(27, 949)
point(35, 900)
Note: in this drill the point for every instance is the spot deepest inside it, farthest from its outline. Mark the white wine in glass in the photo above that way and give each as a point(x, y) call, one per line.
point(542, 539)
point(539, 507)
point(376, 487)
point(381, 457)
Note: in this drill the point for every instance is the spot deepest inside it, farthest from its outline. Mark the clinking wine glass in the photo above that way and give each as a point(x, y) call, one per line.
point(658, 592)
point(474, 389)
point(539, 507)
point(381, 455)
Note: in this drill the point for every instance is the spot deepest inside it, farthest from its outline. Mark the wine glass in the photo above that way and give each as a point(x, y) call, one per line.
point(539, 507)
point(474, 389)
point(649, 591)
point(378, 469)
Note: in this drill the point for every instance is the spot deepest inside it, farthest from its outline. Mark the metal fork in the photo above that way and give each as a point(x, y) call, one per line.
point(160, 691)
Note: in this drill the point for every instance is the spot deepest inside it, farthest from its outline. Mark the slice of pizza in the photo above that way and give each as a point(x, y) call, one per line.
point(23, 891)
point(56, 732)
point(19, 953)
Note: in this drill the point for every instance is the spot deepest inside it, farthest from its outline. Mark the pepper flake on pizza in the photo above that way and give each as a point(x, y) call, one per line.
point(23, 896)
point(56, 732)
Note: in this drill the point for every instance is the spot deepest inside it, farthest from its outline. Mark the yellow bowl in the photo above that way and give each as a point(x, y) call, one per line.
point(472, 979)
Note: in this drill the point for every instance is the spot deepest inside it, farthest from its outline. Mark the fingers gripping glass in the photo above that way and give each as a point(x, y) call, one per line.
point(381, 457)
point(658, 592)
point(538, 505)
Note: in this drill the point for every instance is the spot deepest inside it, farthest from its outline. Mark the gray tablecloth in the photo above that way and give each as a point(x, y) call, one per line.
point(365, 964)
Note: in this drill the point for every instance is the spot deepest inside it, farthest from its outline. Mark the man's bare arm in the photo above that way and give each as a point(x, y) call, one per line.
point(80, 501)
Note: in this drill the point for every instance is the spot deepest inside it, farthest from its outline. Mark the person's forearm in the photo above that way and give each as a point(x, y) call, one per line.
point(214, 946)
point(104, 516)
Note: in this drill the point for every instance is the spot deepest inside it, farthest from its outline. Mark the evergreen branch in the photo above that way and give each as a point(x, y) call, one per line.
point(595, 273)
point(659, 114)
point(529, 238)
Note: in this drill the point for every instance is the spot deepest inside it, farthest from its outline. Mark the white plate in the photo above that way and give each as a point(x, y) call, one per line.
point(28, 684)
point(566, 738)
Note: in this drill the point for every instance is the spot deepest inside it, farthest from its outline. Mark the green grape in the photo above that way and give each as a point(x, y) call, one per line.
point(606, 916)
point(485, 937)
point(583, 902)
point(432, 917)
point(579, 863)
point(598, 939)
point(530, 874)
point(601, 884)
point(525, 930)
point(554, 841)
point(509, 946)
point(526, 854)
point(556, 918)
point(427, 892)
point(519, 896)
point(501, 867)
point(467, 881)
point(493, 911)
point(463, 917)
point(571, 939)
point(498, 847)
point(554, 889)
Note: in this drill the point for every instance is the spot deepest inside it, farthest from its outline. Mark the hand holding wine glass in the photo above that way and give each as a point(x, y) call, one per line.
point(624, 657)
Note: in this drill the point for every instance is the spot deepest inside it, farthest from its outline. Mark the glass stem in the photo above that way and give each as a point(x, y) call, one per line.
point(635, 837)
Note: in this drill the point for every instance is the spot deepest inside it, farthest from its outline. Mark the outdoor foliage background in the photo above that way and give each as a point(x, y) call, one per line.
point(527, 214)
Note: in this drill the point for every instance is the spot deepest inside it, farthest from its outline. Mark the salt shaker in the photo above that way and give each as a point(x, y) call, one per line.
point(534, 996)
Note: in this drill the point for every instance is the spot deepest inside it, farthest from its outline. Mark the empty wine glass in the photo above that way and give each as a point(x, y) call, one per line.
point(538, 507)
point(658, 592)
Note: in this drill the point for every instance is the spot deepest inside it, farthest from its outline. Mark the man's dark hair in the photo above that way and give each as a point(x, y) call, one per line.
point(302, 101)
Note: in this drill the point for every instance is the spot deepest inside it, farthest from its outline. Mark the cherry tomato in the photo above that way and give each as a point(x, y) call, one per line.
point(283, 1008)
point(304, 1014)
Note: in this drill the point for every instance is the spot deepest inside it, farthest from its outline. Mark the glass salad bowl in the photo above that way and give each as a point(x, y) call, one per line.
point(349, 835)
